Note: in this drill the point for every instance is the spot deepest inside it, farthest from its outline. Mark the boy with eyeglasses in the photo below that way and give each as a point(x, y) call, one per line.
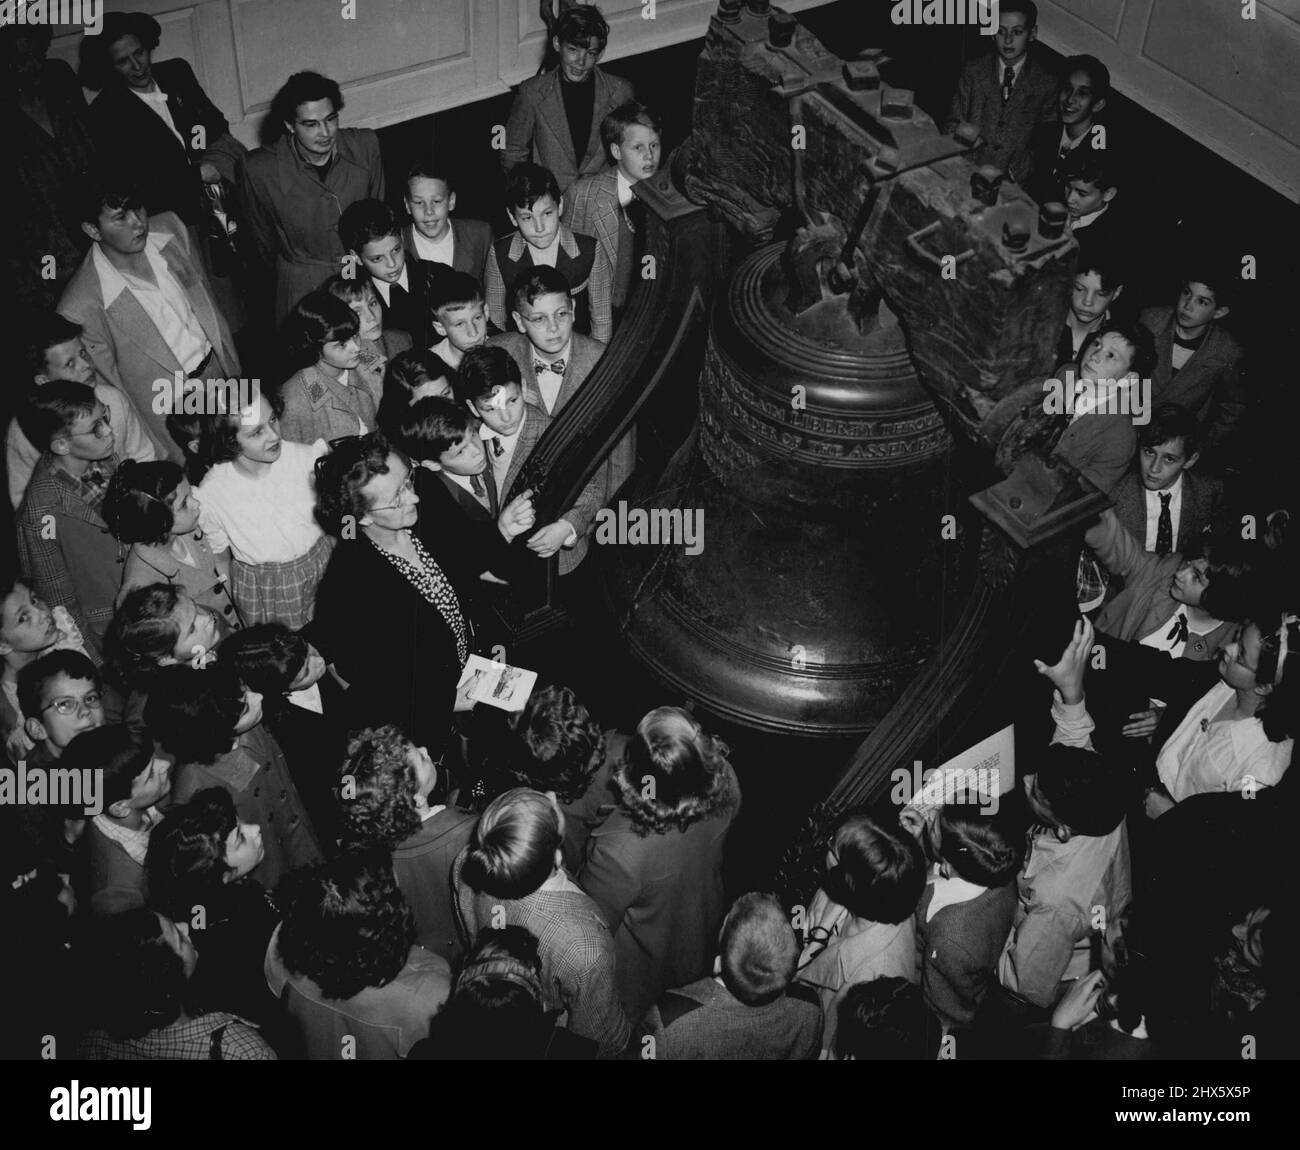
point(61, 696)
point(64, 545)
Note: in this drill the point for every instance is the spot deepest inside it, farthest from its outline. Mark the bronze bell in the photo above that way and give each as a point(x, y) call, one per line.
point(818, 465)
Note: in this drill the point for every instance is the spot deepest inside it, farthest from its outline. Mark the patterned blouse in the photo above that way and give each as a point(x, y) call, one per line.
point(430, 581)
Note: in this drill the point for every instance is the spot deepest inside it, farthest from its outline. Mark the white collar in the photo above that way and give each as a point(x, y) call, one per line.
point(625, 196)
point(1089, 219)
point(950, 892)
point(112, 283)
point(564, 353)
point(1173, 489)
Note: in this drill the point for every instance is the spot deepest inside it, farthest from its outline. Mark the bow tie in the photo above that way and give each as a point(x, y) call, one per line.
point(1178, 632)
point(556, 366)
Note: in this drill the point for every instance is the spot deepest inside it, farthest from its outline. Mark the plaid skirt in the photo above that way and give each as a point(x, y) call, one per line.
point(281, 592)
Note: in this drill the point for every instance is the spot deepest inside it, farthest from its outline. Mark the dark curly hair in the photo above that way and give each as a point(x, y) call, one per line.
point(135, 506)
point(346, 925)
point(320, 317)
point(142, 631)
point(350, 465)
point(302, 88)
point(553, 744)
point(219, 431)
point(136, 981)
point(186, 862)
point(193, 714)
point(673, 773)
point(95, 66)
point(378, 797)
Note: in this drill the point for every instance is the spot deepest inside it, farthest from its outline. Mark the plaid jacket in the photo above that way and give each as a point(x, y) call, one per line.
point(576, 950)
point(65, 549)
point(505, 263)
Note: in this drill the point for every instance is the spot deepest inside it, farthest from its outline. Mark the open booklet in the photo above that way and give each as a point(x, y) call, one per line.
point(497, 684)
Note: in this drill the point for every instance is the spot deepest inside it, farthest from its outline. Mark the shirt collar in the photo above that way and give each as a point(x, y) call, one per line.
point(112, 283)
point(624, 187)
point(1153, 497)
point(950, 892)
point(1090, 218)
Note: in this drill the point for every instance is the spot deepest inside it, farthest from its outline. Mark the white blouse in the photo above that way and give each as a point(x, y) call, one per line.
point(265, 520)
point(1207, 753)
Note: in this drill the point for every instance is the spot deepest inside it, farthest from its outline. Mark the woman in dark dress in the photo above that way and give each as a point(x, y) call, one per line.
point(388, 615)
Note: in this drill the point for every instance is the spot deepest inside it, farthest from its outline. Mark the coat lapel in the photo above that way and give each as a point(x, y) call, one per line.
point(551, 110)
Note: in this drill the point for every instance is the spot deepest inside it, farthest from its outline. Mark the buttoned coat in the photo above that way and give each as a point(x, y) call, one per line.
point(1005, 128)
point(293, 218)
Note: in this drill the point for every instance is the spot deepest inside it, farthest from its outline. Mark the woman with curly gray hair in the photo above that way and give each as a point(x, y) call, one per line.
point(654, 867)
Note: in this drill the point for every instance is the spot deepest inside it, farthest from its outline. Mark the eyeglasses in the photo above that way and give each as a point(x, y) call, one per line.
point(102, 428)
point(403, 494)
point(68, 705)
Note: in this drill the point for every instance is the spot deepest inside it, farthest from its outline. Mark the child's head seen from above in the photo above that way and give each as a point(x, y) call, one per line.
point(534, 204)
point(491, 386)
point(1167, 446)
point(371, 231)
point(456, 306)
point(542, 308)
point(430, 200)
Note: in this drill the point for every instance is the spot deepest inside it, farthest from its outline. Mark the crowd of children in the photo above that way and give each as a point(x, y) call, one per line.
point(245, 611)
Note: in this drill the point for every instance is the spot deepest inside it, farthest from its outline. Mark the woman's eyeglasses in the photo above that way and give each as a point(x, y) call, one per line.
point(404, 494)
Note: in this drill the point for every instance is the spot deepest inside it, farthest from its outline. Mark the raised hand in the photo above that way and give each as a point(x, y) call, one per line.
point(1067, 673)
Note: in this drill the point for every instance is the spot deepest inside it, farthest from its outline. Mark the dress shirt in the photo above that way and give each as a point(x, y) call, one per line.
point(1089, 219)
point(1174, 645)
point(550, 382)
point(625, 196)
point(383, 286)
point(1153, 512)
point(950, 892)
point(166, 305)
point(157, 103)
point(466, 482)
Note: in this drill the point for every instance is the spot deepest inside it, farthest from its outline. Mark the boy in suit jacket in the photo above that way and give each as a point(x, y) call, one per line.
point(1198, 364)
point(370, 231)
point(1090, 183)
point(459, 497)
point(541, 239)
point(1085, 84)
point(63, 543)
point(135, 780)
point(554, 360)
point(1098, 284)
point(1007, 95)
point(458, 318)
point(433, 236)
point(966, 910)
point(145, 305)
point(555, 119)
point(1162, 503)
point(600, 205)
point(490, 385)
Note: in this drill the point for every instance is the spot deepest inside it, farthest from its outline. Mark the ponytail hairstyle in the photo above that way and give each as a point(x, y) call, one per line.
point(1279, 666)
point(673, 773)
point(514, 846)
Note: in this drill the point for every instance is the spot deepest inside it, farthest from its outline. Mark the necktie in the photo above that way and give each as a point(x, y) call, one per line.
point(557, 366)
point(1008, 82)
point(1178, 632)
point(498, 449)
point(1165, 525)
point(476, 485)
